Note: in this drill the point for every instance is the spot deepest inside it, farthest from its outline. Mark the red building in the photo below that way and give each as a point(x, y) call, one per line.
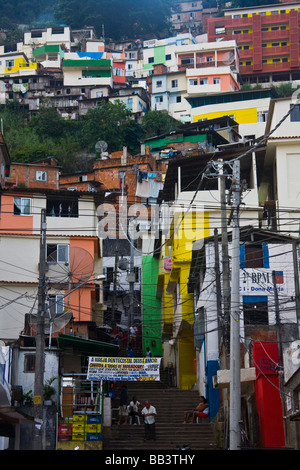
point(267, 38)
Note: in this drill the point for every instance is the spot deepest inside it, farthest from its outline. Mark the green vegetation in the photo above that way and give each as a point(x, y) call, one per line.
point(252, 3)
point(47, 133)
point(120, 19)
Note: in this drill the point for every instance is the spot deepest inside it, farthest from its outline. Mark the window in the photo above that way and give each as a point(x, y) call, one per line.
point(56, 304)
point(57, 253)
point(9, 63)
point(262, 116)
point(188, 60)
point(295, 114)
point(57, 207)
point(209, 59)
point(203, 81)
point(41, 176)
point(199, 327)
point(29, 363)
point(254, 256)
point(150, 60)
point(275, 44)
point(158, 99)
point(193, 81)
point(109, 274)
point(82, 178)
point(178, 99)
point(22, 206)
point(174, 83)
point(255, 310)
point(217, 81)
point(159, 84)
point(168, 57)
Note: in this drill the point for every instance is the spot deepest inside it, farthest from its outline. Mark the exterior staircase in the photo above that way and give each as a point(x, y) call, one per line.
point(170, 404)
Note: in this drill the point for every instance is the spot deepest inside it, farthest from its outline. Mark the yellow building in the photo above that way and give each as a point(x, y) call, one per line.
point(249, 108)
point(177, 302)
point(18, 64)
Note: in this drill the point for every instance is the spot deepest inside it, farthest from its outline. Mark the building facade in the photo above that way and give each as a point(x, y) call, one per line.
point(268, 40)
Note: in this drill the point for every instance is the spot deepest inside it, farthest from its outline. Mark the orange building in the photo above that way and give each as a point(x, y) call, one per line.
point(73, 252)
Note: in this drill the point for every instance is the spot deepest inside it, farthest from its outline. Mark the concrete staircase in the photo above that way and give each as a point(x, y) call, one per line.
point(170, 404)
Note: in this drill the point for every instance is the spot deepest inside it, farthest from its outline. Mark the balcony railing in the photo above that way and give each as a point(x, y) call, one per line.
point(201, 64)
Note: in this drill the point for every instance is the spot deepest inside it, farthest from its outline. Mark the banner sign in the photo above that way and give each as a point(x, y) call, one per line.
point(124, 368)
point(261, 281)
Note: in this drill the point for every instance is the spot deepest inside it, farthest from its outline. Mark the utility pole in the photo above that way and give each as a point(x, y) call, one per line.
point(217, 271)
point(297, 288)
point(40, 337)
point(131, 275)
point(234, 360)
point(280, 354)
point(115, 286)
point(235, 373)
point(225, 269)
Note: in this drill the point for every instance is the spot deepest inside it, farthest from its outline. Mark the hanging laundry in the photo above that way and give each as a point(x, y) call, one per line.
point(143, 189)
point(142, 175)
point(154, 188)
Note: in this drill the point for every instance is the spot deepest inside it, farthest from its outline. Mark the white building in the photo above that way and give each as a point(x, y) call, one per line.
point(282, 160)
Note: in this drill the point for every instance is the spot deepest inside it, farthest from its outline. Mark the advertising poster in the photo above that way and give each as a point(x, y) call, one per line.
point(124, 368)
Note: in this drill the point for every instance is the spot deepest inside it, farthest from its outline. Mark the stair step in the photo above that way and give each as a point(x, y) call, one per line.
point(170, 404)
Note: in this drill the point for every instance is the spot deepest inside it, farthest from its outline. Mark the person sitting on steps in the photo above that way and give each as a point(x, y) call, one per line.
point(199, 408)
point(202, 412)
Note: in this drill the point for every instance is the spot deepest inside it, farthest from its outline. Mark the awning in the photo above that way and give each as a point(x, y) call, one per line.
point(87, 346)
point(13, 415)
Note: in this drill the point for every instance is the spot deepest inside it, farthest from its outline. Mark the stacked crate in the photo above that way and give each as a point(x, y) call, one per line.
point(64, 431)
point(86, 427)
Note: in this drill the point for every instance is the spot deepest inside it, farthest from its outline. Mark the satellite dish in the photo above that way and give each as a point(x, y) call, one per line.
point(52, 323)
point(78, 269)
point(101, 146)
point(123, 264)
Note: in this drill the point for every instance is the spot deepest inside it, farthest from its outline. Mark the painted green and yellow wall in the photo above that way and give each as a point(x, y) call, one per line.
point(151, 307)
point(177, 302)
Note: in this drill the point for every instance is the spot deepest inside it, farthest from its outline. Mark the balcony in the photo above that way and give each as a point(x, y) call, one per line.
point(203, 89)
point(201, 65)
point(275, 51)
point(268, 36)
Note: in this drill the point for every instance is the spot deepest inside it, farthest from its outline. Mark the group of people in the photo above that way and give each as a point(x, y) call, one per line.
point(122, 337)
point(132, 411)
point(148, 412)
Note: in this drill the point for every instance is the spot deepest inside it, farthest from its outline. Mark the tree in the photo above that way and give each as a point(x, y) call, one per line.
point(251, 3)
point(133, 134)
point(106, 122)
point(158, 123)
point(120, 20)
